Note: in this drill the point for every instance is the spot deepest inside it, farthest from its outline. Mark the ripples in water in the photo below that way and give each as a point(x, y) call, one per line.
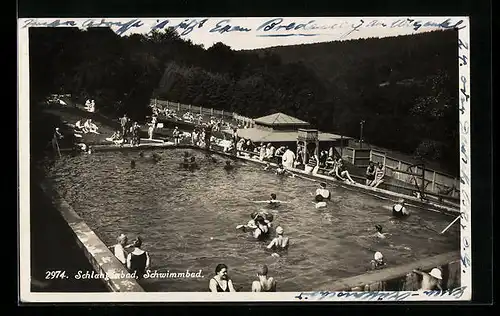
point(188, 218)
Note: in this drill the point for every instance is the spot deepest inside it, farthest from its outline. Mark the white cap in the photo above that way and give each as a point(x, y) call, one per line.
point(436, 273)
point(279, 230)
point(378, 255)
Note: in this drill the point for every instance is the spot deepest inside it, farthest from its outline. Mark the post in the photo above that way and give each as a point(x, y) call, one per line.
point(222, 114)
point(384, 158)
point(341, 146)
point(212, 111)
point(189, 107)
point(361, 133)
point(178, 106)
point(353, 155)
point(433, 181)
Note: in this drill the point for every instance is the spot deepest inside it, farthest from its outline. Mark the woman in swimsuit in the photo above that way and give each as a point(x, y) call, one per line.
point(221, 281)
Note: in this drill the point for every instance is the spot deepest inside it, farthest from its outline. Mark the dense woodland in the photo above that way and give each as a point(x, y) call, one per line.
point(404, 88)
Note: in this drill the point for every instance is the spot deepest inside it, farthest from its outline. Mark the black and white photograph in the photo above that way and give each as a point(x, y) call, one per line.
point(313, 158)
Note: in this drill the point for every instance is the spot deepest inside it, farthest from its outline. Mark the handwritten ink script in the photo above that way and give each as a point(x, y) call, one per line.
point(183, 28)
point(273, 27)
point(464, 106)
point(379, 295)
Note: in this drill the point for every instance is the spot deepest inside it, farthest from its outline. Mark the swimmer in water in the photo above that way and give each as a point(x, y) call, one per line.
point(262, 230)
point(279, 242)
point(228, 166)
point(379, 233)
point(268, 218)
point(320, 201)
point(322, 193)
point(378, 261)
point(264, 284)
point(399, 210)
point(273, 202)
point(281, 171)
point(132, 164)
point(192, 163)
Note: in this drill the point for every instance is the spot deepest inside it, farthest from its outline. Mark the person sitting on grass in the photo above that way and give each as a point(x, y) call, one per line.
point(90, 126)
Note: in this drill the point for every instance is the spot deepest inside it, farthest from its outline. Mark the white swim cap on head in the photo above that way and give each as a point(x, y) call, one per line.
point(279, 230)
point(378, 255)
point(436, 273)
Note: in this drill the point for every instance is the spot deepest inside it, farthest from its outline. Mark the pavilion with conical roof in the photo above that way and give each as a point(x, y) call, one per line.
point(281, 128)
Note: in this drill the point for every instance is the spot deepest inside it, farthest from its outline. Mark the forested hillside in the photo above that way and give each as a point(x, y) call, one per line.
point(405, 88)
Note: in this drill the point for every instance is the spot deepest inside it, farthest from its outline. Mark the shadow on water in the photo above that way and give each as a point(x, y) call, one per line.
point(187, 219)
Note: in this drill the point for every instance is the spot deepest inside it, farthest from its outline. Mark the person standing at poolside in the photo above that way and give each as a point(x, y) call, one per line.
point(124, 122)
point(265, 283)
point(119, 248)
point(176, 134)
point(138, 260)
point(221, 281)
point(288, 158)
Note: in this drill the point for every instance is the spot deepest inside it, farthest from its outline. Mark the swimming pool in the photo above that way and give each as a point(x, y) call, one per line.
point(187, 220)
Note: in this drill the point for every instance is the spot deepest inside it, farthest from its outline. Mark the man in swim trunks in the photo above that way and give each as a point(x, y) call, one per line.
point(221, 281)
point(264, 284)
point(279, 242)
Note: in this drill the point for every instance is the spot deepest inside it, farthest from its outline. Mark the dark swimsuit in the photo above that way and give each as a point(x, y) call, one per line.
point(395, 213)
point(219, 288)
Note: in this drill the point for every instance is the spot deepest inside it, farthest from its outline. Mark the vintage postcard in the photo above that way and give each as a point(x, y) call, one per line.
point(274, 159)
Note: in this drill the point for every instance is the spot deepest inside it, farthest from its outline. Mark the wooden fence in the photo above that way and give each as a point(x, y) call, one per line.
point(209, 112)
point(434, 181)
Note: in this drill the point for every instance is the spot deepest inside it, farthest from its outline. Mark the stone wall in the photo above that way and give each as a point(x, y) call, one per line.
point(100, 257)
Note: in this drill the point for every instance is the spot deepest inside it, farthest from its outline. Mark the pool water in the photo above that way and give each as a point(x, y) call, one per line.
point(188, 220)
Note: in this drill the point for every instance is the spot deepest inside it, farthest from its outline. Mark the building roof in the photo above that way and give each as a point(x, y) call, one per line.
point(257, 135)
point(280, 119)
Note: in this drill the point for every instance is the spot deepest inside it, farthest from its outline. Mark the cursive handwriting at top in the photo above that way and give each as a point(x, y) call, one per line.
point(223, 26)
point(56, 23)
point(188, 25)
point(122, 26)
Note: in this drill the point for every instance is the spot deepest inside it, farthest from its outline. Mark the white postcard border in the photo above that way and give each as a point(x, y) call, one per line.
point(337, 29)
